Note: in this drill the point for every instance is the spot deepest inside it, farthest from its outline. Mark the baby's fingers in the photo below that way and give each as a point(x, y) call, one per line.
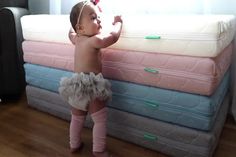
point(118, 19)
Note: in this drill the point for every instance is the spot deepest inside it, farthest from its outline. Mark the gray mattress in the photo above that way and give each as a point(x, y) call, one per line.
point(164, 137)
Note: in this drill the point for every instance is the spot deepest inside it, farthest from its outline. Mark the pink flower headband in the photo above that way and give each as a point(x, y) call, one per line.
point(95, 2)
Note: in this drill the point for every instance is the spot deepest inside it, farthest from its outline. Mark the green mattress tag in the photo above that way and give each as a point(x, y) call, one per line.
point(151, 104)
point(149, 136)
point(152, 37)
point(151, 70)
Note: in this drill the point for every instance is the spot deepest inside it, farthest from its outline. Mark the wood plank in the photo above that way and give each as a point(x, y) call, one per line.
point(26, 132)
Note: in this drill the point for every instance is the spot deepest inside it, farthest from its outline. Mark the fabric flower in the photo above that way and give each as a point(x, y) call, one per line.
point(95, 2)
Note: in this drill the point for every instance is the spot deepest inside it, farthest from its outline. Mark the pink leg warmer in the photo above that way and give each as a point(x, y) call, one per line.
point(76, 125)
point(99, 130)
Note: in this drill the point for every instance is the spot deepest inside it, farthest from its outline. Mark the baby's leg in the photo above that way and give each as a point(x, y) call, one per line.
point(76, 125)
point(99, 116)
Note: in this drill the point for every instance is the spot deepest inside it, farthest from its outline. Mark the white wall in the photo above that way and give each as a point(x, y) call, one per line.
point(39, 6)
point(141, 6)
point(153, 6)
point(55, 6)
point(45, 6)
point(223, 6)
point(67, 5)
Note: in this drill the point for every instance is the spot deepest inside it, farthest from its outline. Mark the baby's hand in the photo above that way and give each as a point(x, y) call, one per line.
point(117, 19)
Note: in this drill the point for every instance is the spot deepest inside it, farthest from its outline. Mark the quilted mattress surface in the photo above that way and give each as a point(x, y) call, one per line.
point(183, 73)
point(168, 138)
point(195, 35)
point(186, 109)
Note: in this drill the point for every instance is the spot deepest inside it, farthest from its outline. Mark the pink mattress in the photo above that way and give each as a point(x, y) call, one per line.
point(183, 73)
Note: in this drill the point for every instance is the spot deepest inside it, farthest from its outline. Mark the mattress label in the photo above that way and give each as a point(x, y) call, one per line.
point(152, 37)
point(149, 136)
point(151, 70)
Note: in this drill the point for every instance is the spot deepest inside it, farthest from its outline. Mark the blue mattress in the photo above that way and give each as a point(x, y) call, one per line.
point(191, 110)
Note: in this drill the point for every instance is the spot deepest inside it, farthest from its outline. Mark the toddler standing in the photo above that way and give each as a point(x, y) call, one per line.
point(87, 91)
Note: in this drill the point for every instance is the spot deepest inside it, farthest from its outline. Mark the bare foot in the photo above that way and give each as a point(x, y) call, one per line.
point(101, 154)
point(78, 149)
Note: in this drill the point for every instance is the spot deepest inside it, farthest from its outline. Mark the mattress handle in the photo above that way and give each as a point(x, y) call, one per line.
point(152, 37)
point(149, 136)
point(151, 70)
point(152, 104)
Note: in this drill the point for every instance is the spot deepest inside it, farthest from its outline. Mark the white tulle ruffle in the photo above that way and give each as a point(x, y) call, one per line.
point(80, 89)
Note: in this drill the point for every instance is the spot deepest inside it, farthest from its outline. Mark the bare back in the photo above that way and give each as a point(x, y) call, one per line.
point(87, 58)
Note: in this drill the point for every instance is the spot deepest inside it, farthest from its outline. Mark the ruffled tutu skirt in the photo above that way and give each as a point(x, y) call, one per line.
point(81, 89)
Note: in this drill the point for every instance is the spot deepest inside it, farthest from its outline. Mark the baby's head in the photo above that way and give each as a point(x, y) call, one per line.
point(84, 18)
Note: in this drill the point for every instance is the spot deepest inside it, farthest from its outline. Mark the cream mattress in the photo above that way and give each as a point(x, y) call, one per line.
point(195, 35)
point(183, 73)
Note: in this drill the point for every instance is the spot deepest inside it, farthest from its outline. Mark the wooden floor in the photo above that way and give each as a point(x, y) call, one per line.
point(25, 132)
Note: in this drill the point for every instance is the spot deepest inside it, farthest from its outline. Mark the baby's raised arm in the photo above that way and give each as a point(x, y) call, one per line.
point(72, 35)
point(102, 41)
point(117, 27)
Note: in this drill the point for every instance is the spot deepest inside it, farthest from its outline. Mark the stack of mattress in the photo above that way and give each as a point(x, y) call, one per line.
point(169, 78)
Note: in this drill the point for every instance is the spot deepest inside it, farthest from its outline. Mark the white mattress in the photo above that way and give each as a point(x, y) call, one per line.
point(193, 35)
